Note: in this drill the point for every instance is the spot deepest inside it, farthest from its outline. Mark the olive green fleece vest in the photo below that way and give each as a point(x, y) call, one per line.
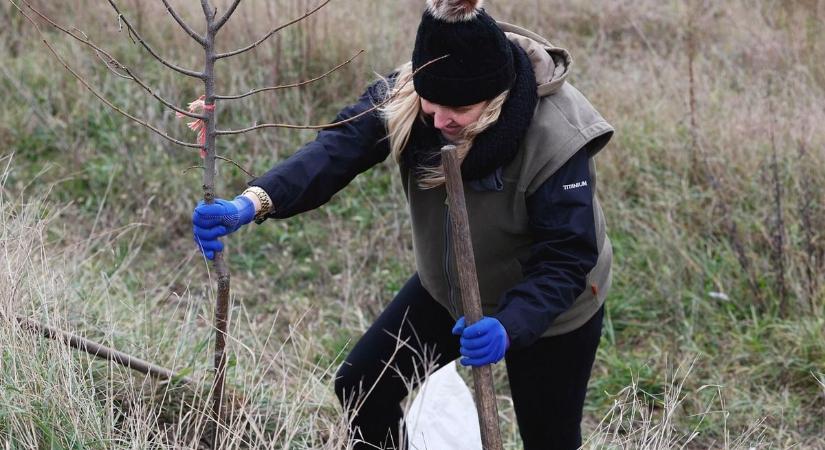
point(564, 123)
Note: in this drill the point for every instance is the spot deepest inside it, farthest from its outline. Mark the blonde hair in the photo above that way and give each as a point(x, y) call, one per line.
point(404, 108)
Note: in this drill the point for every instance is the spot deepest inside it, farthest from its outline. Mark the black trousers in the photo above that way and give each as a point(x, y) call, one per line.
point(548, 379)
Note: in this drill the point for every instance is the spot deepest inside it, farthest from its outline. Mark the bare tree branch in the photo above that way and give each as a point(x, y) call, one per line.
point(268, 35)
point(198, 38)
point(301, 127)
point(113, 70)
point(109, 60)
point(149, 49)
point(209, 13)
point(220, 22)
point(334, 124)
point(236, 165)
point(286, 86)
point(111, 64)
point(192, 168)
point(222, 158)
point(93, 91)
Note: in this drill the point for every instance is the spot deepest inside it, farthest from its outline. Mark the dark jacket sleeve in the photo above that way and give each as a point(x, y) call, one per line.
point(564, 251)
point(311, 176)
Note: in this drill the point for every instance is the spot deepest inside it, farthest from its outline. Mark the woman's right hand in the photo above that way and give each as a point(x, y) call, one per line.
point(210, 222)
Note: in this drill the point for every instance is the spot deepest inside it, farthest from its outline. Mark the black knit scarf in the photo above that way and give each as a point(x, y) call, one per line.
point(492, 148)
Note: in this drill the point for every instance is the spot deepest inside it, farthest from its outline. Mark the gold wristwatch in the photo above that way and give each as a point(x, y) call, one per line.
point(266, 202)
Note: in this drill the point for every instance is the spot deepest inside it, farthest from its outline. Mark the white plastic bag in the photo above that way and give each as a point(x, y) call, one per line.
point(443, 415)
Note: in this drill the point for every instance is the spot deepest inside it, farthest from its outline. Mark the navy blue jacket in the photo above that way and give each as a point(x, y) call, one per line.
point(561, 219)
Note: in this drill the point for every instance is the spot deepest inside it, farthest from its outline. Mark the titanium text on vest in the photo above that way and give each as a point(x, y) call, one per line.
point(575, 185)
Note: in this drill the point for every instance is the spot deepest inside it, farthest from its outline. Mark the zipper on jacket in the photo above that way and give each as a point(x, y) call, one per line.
point(447, 258)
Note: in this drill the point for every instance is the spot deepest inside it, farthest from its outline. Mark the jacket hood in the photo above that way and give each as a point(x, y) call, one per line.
point(551, 64)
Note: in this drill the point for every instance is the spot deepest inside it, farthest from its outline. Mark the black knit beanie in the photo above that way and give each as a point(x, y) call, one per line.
point(480, 61)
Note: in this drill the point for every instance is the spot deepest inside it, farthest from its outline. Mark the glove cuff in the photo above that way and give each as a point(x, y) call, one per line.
point(246, 209)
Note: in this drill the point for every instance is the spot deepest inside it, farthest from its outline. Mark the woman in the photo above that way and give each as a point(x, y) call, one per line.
point(526, 139)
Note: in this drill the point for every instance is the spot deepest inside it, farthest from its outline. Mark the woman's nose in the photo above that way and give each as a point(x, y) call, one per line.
point(441, 119)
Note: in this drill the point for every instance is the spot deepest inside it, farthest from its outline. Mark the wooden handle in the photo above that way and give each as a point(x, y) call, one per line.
point(470, 296)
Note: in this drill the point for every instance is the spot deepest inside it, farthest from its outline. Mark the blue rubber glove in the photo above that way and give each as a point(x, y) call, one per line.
point(483, 342)
point(209, 222)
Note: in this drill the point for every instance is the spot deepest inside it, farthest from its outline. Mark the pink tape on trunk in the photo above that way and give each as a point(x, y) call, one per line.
point(196, 107)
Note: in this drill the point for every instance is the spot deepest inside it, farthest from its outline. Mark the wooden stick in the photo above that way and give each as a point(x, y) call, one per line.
point(470, 296)
point(102, 351)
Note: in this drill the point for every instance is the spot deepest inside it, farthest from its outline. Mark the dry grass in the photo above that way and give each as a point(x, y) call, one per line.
point(95, 233)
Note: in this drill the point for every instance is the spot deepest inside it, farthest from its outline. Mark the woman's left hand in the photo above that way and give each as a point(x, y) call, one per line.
point(483, 342)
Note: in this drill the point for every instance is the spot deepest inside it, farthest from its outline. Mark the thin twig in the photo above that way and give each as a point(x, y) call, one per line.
point(236, 165)
point(111, 64)
point(293, 85)
point(111, 60)
point(149, 49)
point(220, 22)
point(128, 30)
point(268, 35)
point(331, 125)
point(197, 37)
point(191, 168)
point(97, 94)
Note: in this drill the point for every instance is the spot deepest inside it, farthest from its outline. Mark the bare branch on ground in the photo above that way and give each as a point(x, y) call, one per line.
point(103, 352)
